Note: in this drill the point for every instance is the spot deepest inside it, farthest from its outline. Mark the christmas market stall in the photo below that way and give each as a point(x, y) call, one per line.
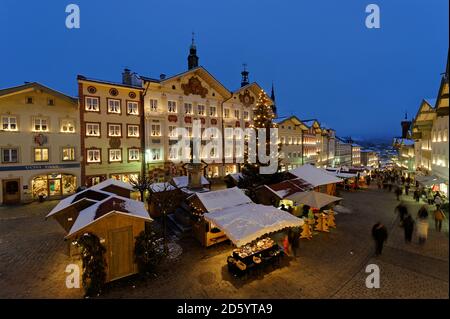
point(320, 215)
point(217, 211)
point(246, 224)
point(276, 194)
point(109, 220)
point(320, 179)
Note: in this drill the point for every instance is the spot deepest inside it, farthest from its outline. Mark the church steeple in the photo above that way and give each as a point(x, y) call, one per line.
point(192, 57)
point(272, 96)
point(244, 74)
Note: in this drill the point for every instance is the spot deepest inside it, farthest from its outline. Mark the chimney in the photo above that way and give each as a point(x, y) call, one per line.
point(406, 125)
point(127, 77)
point(162, 76)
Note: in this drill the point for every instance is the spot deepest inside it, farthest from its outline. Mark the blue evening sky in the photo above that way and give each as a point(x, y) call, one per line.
point(323, 60)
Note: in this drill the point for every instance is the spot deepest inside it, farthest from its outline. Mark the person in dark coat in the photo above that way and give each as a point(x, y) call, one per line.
point(408, 226)
point(417, 195)
point(407, 189)
point(398, 192)
point(402, 211)
point(423, 213)
point(380, 235)
point(294, 240)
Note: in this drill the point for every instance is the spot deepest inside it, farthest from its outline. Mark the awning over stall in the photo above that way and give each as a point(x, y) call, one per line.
point(429, 180)
point(313, 199)
point(314, 176)
point(247, 222)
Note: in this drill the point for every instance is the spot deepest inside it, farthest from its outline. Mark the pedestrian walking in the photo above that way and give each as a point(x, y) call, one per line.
point(417, 195)
point(439, 216)
point(402, 210)
point(408, 226)
point(407, 189)
point(379, 234)
point(398, 192)
point(438, 200)
point(422, 230)
point(423, 213)
point(430, 197)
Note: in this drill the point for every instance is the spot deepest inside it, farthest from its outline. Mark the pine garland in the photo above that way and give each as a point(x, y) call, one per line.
point(94, 263)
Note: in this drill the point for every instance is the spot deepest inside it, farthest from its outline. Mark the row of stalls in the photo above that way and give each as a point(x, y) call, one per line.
point(107, 211)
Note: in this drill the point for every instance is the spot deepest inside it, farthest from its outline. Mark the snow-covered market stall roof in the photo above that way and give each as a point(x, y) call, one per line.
point(314, 176)
point(84, 208)
point(183, 181)
point(240, 219)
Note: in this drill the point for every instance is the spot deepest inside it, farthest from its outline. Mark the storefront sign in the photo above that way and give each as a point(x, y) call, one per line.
point(37, 167)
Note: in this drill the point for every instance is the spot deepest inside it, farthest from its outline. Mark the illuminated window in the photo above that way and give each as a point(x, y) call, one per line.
point(41, 154)
point(188, 108)
point(133, 131)
point(67, 126)
point(115, 155)
point(114, 130)
point(94, 156)
point(172, 106)
point(92, 104)
point(155, 130)
point(201, 109)
point(9, 123)
point(246, 115)
point(172, 131)
point(9, 155)
point(132, 108)
point(68, 154)
point(173, 153)
point(40, 124)
point(156, 154)
point(114, 106)
point(236, 114)
point(92, 129)
point(153, 105)
point(133, 154)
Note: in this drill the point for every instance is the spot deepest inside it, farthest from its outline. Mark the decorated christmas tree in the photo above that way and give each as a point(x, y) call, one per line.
point(263, 117)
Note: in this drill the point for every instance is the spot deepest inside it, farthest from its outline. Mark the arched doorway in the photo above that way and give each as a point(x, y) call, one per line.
point(53, 185)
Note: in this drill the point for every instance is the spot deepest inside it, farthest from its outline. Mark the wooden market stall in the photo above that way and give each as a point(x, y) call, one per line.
point(320, 179)
point(116, 220)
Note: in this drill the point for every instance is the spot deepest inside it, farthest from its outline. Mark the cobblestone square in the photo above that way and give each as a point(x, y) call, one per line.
point(33, 259)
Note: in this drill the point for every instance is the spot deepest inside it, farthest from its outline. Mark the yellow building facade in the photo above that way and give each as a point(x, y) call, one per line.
point(39, 144)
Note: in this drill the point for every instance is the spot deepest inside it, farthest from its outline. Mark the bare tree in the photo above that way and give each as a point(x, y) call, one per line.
point(141, 184)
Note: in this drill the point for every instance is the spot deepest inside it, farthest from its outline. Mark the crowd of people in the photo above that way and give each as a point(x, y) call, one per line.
point(390, 179)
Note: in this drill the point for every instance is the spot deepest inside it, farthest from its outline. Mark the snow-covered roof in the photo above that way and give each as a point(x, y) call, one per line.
point(111, 182)
point(75, 198)
point(236, 176)
point(161, 187)
point(314, 199)
point(93, 213)
point(314, 176)
point(247, 222)
point(102, 203)
point(223, 198)
point(183, 181)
